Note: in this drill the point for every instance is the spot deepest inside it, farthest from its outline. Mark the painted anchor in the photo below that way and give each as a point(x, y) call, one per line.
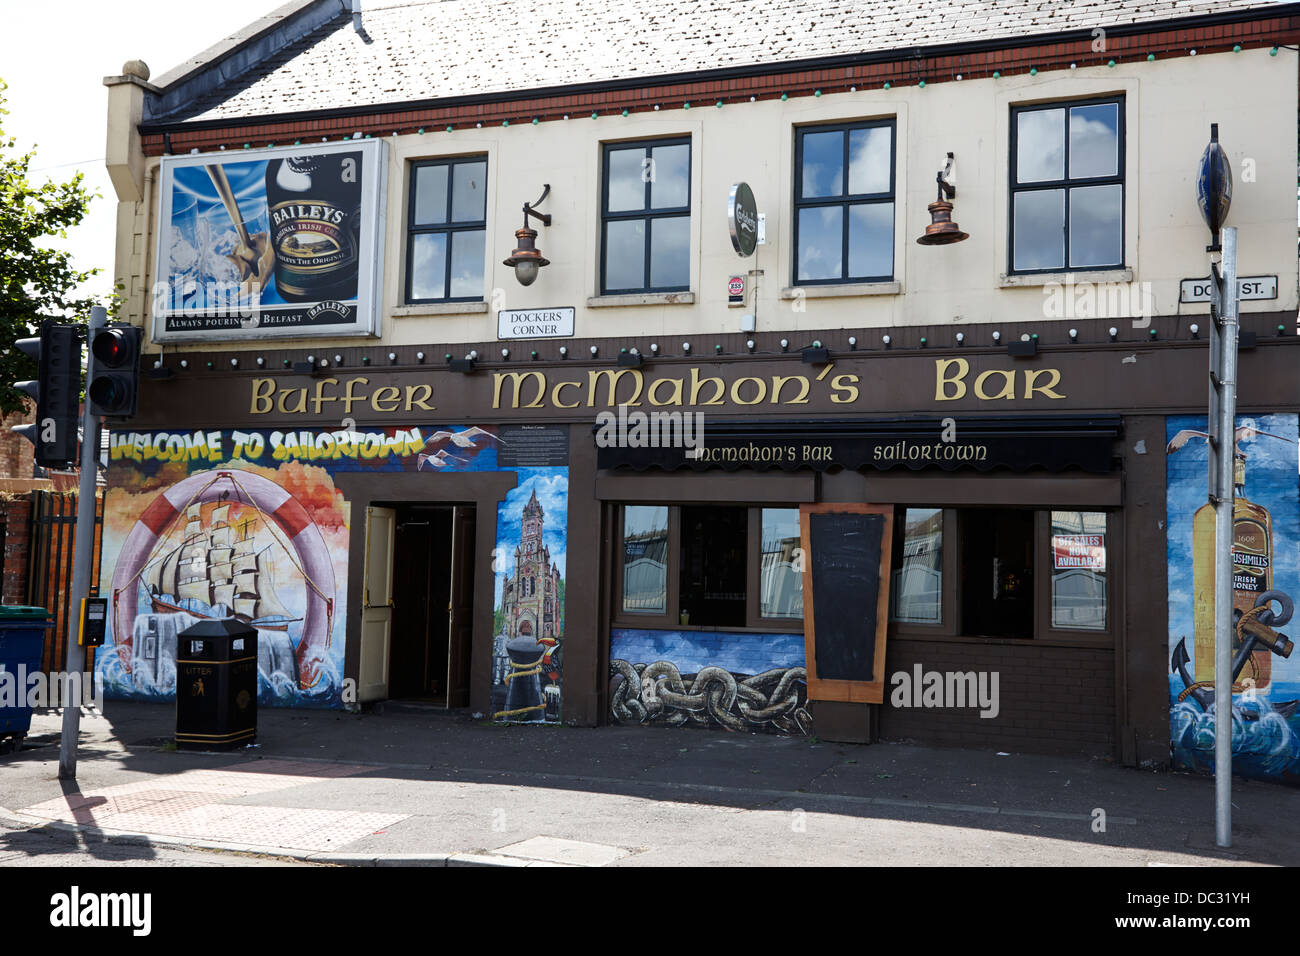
point(1253, 627)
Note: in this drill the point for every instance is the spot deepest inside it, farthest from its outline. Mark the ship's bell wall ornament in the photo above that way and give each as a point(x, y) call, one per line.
point(526, 259)
point(942, 230)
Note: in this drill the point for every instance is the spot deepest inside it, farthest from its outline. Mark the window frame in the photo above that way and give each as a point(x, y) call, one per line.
point(952, 630)
point(444, 228)
point(670, 620)
point(845, 200)
point(645, 214)
point(1067, 183)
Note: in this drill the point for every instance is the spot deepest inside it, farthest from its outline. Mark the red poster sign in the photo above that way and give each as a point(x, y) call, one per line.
point(1079, 551)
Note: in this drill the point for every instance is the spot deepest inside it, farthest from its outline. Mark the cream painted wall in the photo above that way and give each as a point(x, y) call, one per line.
point(1169, 107)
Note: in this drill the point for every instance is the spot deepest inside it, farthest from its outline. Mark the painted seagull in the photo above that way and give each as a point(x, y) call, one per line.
point(1243, 433)
point(466, 443)
point(438, 460)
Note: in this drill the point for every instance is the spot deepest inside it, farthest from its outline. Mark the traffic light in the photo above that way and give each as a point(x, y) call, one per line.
point(115, 370)
point(57, 390)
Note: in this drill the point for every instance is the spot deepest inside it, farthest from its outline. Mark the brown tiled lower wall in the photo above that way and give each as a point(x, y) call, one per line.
point(1052, 699)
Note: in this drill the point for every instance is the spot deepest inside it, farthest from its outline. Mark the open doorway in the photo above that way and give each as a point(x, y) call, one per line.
point(432, 597)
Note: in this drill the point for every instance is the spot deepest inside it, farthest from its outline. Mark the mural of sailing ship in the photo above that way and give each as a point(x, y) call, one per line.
point(220, 571)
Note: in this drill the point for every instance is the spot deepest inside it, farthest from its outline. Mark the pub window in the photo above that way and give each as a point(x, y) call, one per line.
point(1067, 186)
point(1078, 567)
point(646, 217)
point(645, 559)
point(447, 230)
point(724, 567)
point(844, 203)
point(917, 586)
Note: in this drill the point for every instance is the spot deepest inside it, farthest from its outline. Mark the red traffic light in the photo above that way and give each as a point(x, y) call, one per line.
point(115, 369)
point(111, 348)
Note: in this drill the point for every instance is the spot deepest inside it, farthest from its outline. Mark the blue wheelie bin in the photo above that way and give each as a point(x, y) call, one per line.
point(22, 646)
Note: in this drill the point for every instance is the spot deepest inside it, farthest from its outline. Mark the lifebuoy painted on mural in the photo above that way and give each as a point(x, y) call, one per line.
point(277, 506)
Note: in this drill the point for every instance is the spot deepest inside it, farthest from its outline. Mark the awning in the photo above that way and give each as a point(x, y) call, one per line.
point(641, 440)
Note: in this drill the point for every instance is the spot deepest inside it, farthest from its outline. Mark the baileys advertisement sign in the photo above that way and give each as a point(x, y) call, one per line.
point(270, 243)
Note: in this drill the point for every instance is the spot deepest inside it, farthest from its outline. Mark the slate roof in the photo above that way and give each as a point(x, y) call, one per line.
point(430, 49)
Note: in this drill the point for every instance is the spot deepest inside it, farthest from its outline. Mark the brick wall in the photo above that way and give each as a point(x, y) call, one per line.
point(17, 454)
point(16, 516)
point(1051, 699)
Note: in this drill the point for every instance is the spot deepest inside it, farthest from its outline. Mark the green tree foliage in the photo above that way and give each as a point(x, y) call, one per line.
point(35, 280)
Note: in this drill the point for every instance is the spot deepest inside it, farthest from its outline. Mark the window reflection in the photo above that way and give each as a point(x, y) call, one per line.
point(779, 571)
point(821, 237)
point(467, 254)
point(1040, 146)
point(430, 195)
point(871, 240)
point(1039, 225)
point(429, 266)
point(645, 555)
point(871, 154)
point(823, 164)
point(625, 254)
point(917, 591)
point(670, 176)
point(469, 193)
point(670, 243)
point(626, 185)
point(1096, 225)
point(1094, 140)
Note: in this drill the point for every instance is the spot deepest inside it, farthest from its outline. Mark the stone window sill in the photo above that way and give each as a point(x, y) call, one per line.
point(439, 308)
point(641, 298)
point(841, 291)
point(1061, 278)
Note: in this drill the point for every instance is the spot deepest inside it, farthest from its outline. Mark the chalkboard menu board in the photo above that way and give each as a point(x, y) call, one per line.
point(846, 576)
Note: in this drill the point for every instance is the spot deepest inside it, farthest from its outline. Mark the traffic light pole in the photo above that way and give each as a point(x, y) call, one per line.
point(82, 560)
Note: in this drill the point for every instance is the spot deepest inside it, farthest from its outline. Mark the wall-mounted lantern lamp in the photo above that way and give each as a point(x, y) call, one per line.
point(527, 259)
point(942, 230)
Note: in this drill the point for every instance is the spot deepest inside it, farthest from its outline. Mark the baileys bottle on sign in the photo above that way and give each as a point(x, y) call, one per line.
point(314, 204)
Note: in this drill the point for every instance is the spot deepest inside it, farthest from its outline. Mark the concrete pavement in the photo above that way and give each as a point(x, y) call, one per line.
point(416, 787)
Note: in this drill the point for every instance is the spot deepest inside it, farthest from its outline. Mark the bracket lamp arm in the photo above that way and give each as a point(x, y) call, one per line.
point(530, 208)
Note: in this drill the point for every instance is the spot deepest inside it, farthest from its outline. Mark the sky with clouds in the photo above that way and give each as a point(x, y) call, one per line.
point(54, 57)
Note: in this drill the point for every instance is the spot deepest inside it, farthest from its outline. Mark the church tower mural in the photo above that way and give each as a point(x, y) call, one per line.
point(530, 615)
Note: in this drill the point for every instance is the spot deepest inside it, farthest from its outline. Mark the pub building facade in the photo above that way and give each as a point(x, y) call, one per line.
point(847, 484)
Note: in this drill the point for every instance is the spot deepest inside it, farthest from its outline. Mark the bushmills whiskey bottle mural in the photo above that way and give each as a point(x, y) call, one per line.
point(1252, 571)
point(315, 210)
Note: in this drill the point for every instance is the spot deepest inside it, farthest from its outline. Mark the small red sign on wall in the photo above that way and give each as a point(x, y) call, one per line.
point(736, 288)
point(1079, 551)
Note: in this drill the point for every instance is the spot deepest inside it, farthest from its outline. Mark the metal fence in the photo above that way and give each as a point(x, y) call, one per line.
point(49, 567)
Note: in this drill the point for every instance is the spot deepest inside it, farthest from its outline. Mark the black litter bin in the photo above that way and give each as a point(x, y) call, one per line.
point(216, 685)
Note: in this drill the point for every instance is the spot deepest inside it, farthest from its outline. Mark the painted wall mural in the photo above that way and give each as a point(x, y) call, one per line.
point(1266, 584)
point(742, 682)
point(528, 613)
point(250, 525)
